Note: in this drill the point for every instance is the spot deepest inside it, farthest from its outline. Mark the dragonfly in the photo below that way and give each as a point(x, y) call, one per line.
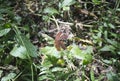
point(59, 41)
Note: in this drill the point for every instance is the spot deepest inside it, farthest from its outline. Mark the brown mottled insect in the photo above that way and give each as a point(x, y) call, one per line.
point(59, 41)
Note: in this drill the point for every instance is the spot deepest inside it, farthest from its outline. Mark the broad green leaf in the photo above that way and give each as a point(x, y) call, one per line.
point(112, 76)
point(108, 48)
point(9, 77)
point(67, 3)
point(80, 54)
point(20, 52)
point(50, 11)
point(4, 31)
point(31, 49)
point(76, 52)
point(52, 51)
point(25, 42)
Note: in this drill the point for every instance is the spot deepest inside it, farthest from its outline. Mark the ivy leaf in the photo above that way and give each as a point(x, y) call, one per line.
point(20, 52)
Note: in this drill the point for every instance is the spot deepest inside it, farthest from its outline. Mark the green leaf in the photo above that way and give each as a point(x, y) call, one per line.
point(31, 49)
point(4, 31)
point(9, 77)
point(92, 75)
point(112, 42)
point(119, 53)
point(49, 39)
point(50, 11)
point(76, 52)
point(20, 52)
point(52, 51)
point(1, 17)
point(87, 59)
point(112, 76)
point(111, 26)
point(80, 54)
point(67, 3)
point(97, 2)
point(88, 50)
point(25, 42)
point(107, 61)
point(108, 48)
point(56, 69)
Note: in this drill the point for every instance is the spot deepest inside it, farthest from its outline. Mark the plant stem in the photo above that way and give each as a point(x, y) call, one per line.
point(53, 18)
point(32, 72)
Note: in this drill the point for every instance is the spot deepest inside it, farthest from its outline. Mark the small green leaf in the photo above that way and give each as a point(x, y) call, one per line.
point(67, 3)
point(108, 48)
point(97, 2)
point(20, 52)
point(45, 18)
point(87, 59)
point(9, 77)
point(4, 31)
point(92, 75)
point(112, 76)
point(76, 52)
point(80, 54)
point(1, 17)
point(51, 51)
point(119, 53)
point(50, 11)
point(111, 26)
point(49, 39)
point(107, 61)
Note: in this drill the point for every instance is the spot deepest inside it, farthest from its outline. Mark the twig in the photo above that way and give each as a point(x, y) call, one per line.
point(71, 24)
point(53, 18)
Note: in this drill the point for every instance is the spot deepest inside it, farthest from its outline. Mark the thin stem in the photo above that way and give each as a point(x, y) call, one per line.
point(17, 76)
point(32, 72)
point(53, 18)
